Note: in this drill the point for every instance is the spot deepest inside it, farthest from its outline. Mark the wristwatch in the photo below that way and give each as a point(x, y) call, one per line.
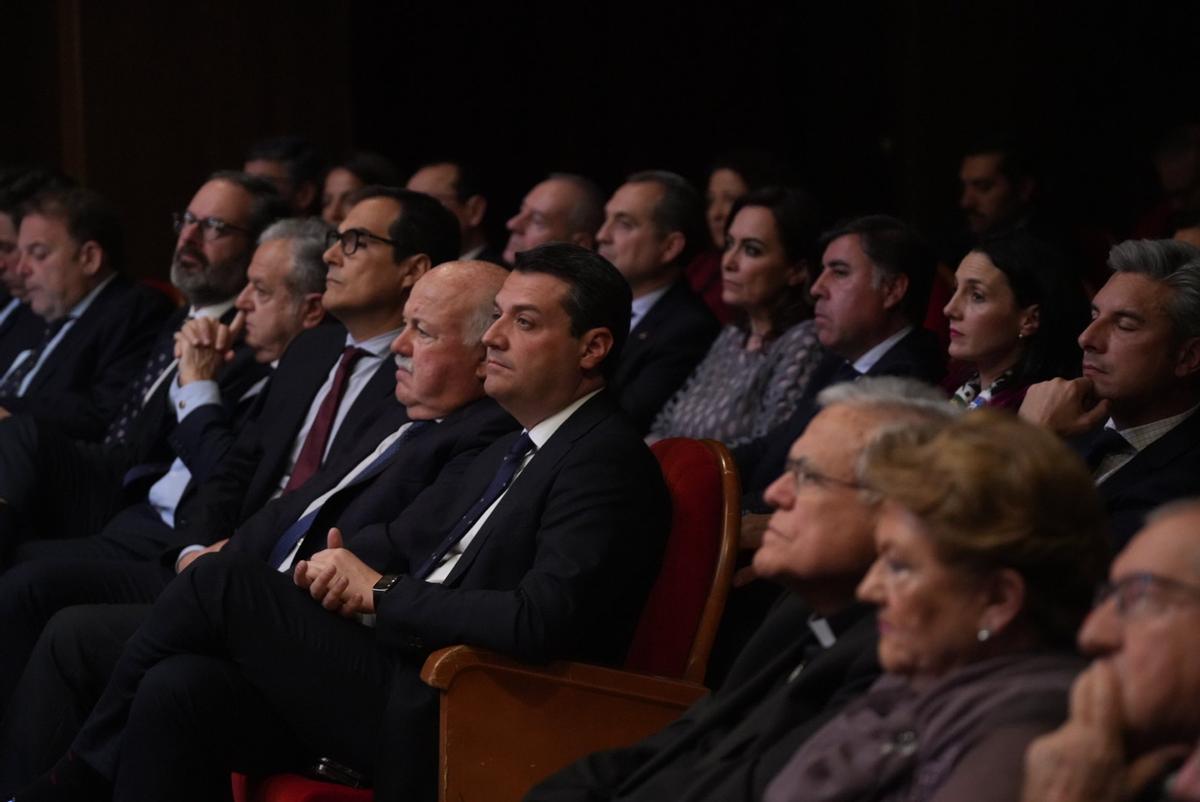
point(383, 586)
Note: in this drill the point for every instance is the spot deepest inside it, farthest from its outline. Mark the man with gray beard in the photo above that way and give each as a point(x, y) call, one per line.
point(40, 467)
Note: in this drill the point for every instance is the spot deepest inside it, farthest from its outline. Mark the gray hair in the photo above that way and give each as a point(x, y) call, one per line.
point(307, 238)
point(1183, 506)
point(587, 214)
point(909, 399)
point(1170, 262)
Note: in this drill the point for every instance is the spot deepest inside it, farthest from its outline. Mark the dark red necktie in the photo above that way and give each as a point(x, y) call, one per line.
point(313, 450)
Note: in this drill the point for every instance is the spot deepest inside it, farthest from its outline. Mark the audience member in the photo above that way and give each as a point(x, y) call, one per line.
point(458, 187)
point(449, 420)
point(98, 325)
point(1177, 168)
point(729, 177)
point(281, 299)
point(1015, 317)
point(757, 370)
point(563, 208)
point(40, 466)
point(1137, 706)
point(358, 170)
point(1133, 410)
point(998, 186)
point(651, 226)
point(870, 297)
point(554, 557)
point(814, 651)
point(293, 166)
point(990, 545)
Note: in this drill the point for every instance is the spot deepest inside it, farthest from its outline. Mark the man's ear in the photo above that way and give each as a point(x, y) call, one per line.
point(797, 273)
point(476, 208)
point(584, 240)
point(91, 258)
point(894, 289)
point(416, 266)
point(672, 245)
point(594, 346)
point(312, 311)
point(1187, 360)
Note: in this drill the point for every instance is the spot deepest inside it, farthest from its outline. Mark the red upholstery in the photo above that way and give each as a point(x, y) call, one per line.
point(663, 640)
point(294, 788)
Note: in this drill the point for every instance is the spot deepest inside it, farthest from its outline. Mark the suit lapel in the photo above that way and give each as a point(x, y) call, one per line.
point(1166, 449)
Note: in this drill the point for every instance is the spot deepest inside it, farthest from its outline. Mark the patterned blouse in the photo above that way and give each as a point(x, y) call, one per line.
point(736, 395)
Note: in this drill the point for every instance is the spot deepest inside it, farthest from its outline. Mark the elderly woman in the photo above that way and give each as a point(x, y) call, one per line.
point(990, 543)
point(756, 370)
point(1015, 317)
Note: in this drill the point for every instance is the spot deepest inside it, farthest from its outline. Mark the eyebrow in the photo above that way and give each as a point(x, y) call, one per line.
point(837, 263)
point(523, 308)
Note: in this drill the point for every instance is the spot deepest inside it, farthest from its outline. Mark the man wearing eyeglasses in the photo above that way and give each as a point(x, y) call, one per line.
point(41, 466)
point(1135, 713)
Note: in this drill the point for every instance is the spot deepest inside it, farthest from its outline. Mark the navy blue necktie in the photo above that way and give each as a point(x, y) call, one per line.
point(500, 482)
point(158, 362)
point(11, 384)
point(296, 532)
point(1108, 443)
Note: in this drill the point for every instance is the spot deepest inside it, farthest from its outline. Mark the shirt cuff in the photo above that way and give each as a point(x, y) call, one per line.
point(186, 551)
point(190, 397)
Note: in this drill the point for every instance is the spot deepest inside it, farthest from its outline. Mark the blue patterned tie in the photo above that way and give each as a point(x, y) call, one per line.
point(296, 532)
point(159, 361)
point(10, 386)
point(500, 482)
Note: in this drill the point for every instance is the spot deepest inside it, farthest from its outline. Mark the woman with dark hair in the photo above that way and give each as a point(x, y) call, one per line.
point(990, 545)
point(758, 367)
point(1015, 318)
point(358, 170)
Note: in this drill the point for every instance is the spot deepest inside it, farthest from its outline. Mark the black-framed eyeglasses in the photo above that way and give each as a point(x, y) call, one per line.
point(805, 475)
point(1146, 592)
point(352, 239)
point(211, 228)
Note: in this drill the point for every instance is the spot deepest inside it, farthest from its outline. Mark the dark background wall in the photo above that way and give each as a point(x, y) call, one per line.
point(873, 101)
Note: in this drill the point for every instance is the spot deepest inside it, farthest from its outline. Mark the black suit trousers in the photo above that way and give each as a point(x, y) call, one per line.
point(235, 668)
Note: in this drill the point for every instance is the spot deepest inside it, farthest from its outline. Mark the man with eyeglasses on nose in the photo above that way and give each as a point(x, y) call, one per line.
point(1135, 713)
point(41, 466)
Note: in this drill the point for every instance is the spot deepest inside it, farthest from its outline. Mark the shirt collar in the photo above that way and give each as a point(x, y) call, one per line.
point(543, 431)
point(78, 309)
point(376, 346)
point(642, 304)
point(1141, 437)
point(867, 361)
point(212, 310)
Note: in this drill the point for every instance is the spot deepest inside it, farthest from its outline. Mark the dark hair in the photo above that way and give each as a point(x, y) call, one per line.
point(1016, 158)
point(297, 154)
point(680, 209)
point(1038, 274)
point(370, 168)
point(87, 216)
point(757, 168)
point(468, 181)
point(796, 221)
point(423, 226)
point(894, 248)
point(19, 184)
point(598, 295)
point(266, 206)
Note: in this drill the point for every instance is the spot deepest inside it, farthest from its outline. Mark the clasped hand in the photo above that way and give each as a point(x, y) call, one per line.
point(337, 579)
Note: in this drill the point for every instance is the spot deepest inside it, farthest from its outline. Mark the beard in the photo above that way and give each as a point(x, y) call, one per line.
point(203, 282)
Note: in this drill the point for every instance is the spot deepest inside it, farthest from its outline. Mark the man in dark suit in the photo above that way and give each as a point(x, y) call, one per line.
point(1132, 413)
point(544, 547)
point(441, 387)
point(870, 296)
point(816, 648)
point(458, 186)
point(40, 465)
point(653, 226)
point(97, 325)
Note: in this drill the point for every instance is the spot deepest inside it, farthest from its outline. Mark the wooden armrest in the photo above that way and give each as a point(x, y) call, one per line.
point(506, 725)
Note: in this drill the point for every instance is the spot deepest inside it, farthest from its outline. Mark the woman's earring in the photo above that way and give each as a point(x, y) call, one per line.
point(983, 634)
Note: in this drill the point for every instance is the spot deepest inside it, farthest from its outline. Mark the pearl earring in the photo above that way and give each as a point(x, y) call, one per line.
point(983, 634)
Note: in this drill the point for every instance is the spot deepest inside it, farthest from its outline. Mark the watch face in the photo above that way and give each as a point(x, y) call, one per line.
point(386, 581)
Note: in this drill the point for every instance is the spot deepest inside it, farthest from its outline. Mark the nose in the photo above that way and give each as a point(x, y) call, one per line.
point(818, 289)
point(1101, 631)
point(604, 235)
point(871, 588)
point(24, 265)
point(729, 260)
point(494, 336)
point(1090, 339)
point(245, 300)
point(953, 308)
point(333, 254)
point(967, 199)
point(516, 223)
point(402, 345)
point(781, 494)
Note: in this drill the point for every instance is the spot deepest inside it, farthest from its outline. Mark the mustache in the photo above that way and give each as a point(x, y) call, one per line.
point(404, 363)
point(188, 249)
